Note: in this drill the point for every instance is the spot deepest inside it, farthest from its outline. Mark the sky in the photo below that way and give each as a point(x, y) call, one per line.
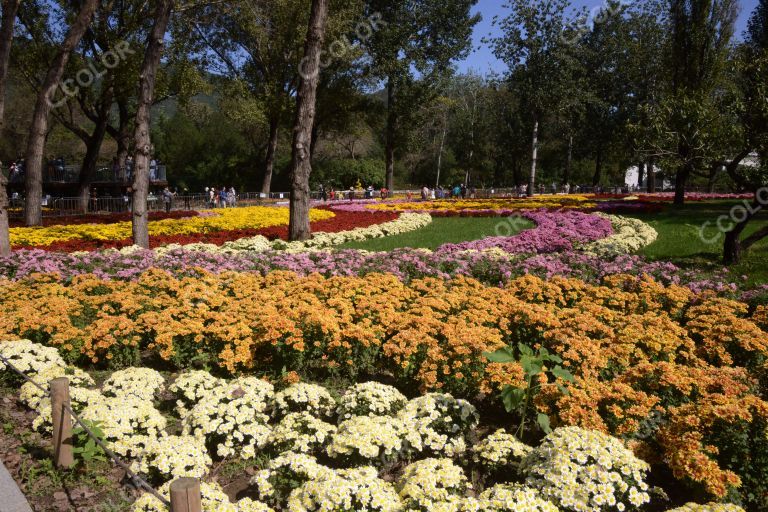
point(483, 61)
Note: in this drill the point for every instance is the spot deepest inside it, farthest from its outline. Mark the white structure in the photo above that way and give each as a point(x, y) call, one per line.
point(630, 179)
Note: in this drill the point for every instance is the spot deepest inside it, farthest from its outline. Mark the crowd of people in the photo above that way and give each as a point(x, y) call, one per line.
point(221, 197)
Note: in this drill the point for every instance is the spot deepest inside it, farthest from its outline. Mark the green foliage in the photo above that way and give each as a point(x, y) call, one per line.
point(537, 366)
point(85, 448)
point(345, 173)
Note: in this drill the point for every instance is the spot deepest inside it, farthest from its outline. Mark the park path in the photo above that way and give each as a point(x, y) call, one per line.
point(11, 498)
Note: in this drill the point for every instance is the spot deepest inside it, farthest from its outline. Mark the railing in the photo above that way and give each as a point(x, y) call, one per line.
point(70, 174)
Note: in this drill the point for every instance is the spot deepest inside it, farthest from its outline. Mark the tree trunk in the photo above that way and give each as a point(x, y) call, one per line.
point(734, 248)
point(534, 157)
point(91, 159)
point(598, 176)
point(568, 161)
point(5, 242)
point(140, 224)
point(301, 164)
point(33, 214)
point(681, 178)
point(651, 176)
point(10, 8)
point(123, 135)
point(391, 131)
point(440, 154)
point(640, 175)
point(269, 164)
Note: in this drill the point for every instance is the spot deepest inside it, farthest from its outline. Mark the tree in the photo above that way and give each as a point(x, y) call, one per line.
point(301, 164)
point(420, 37)
point(140, 218)
point(10, 8)
point(33, 214)
point(701, 33)
point(538, 51)
point(753, 84)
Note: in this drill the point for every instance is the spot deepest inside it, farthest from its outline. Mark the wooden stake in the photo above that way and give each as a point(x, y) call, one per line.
point(63, 456)
point(185, 495)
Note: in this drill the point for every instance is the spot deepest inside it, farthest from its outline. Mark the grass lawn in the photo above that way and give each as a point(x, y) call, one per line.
point(443, 230)
point(680, 238)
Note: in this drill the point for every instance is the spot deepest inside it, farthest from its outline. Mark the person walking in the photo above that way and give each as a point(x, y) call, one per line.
point(223, 197)
point(167, 198)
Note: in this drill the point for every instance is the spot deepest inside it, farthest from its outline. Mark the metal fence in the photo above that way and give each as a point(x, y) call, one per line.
point(70, 174)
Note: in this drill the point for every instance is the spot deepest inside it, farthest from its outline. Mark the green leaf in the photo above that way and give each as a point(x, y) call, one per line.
point(562, 373)
point(512, 398)
point(503, 355)
point(525, 349)
point(543, 421)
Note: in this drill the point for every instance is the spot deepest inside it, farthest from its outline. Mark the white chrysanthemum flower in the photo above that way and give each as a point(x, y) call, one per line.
point(514, 498)
point(171, 457)
point(31, 395)
point(231, 417)
point(190, 387)
point(128, 424)
point(585, 471)
point(371, 399)
point(304, 397)
point(368, 438)
point(79, 399)
point(284, 474)
point(437, 423)
point(28, 357)
point(428, 482)
point(301, 432)
point(709, 507)
point(140, 383)
point(346, 490)
point(213, 500)
point(629, 235)
point(499, 451)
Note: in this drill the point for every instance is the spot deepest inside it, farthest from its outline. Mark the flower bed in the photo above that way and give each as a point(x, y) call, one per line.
point(103, 218)
point(472, 207)
point(231, 219)
point(393, 454)
point(638, 349)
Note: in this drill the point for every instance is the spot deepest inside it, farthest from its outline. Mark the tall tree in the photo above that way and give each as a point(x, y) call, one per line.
point(752, 78)
point(10, 8)
point(33, 214)
point(535, 46)
point(701, 33)
point(301, 164)
point(140, 217)
point(414, 37)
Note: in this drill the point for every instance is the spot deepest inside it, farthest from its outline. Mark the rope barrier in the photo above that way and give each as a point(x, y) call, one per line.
point(135, 479)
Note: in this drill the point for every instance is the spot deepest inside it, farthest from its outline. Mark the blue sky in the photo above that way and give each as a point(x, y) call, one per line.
point(482, 58)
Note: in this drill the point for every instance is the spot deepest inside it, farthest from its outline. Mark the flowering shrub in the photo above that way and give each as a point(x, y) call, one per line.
point(629, 235)
point(139, 383)
point(301, 432)
point(370, 399)
point(709, 507)
point(172, 457)
point(213, 500)
point(31, 395)
point(190, 387)
point(584, 470)
point(231, 418)
point(500, 451)
point(345, 490)
point(514, 498)
point(437, 423)
point(476, 206)
point(430, 481)
point(253, 217)
point(28, 357)
point(368, 439)
point(79, 398)
point(128, 424)
point(303, 397)
point(284, 474)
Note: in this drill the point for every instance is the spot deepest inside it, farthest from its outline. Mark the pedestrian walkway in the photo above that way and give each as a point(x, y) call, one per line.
point(11, 498)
